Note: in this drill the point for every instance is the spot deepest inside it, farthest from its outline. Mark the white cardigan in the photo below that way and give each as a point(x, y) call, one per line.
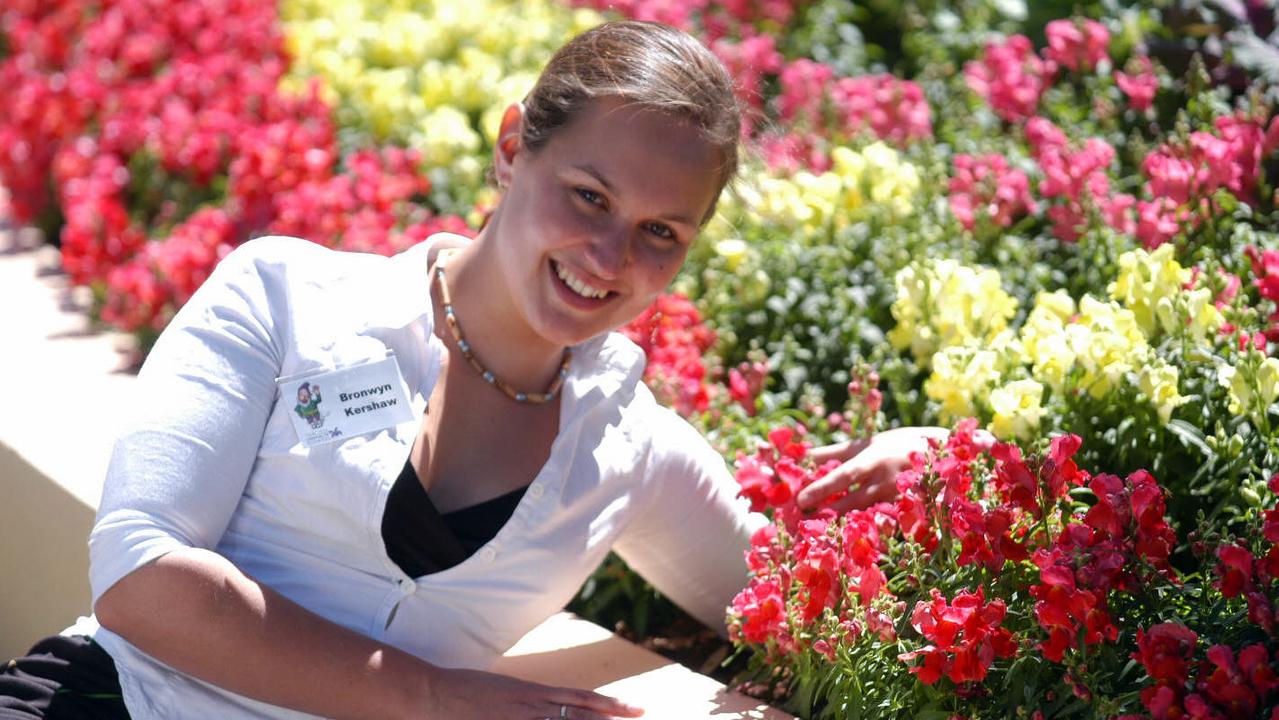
point(212, 460)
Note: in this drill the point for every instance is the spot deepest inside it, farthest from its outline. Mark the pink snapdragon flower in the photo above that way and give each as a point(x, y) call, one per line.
point(750, 11)
point(1077, 44)
point(803, 84)
point(748, 61)
point(894, 110)
point(1078, 177)
point(795, 151)
point(1159, 220)
point(1011, 77)
point(1140, 84)
point(1247, 140)
point(677, 13)
point(986, 184)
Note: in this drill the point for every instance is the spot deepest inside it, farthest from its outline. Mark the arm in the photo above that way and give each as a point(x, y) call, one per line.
point(690, 537)
point(193, 610)
point(174, 481)
point(255, 642)
point(869, 467)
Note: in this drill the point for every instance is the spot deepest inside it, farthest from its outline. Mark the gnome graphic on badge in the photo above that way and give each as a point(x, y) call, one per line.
point(308, 407)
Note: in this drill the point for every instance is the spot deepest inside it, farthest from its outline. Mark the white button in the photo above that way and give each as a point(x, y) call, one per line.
point(488, 554)
point(407, 586)
point(536, 490)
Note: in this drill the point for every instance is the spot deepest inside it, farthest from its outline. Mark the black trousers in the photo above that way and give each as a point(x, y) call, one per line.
point(62, 678)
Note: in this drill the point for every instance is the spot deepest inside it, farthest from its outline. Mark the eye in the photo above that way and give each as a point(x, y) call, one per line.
point(590, 196)
point(662, 231)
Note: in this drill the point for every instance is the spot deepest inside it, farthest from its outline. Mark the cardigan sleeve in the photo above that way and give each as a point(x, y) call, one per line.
point(180, 465)
point(690, 536)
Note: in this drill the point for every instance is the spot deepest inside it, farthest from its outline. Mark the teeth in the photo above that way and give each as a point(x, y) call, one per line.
point(579, 287)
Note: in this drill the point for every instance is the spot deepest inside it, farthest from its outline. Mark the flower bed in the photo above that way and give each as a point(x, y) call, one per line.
point(1060, 229)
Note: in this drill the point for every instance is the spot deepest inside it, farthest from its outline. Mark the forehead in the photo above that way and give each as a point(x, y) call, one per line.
point(645, 154)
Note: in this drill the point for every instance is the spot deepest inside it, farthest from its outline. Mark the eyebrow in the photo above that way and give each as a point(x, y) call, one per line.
point(599, 177)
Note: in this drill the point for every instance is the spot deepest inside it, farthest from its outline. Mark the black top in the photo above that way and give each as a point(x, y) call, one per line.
point(422, 541)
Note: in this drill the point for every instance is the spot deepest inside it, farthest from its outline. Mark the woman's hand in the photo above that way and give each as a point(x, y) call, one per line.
point(466, 694)
point(870, 466)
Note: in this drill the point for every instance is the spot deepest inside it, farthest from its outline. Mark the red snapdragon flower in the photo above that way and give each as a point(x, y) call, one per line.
point(762, 611)
point(1165, 651)
point(774, 475)
point(1234, 570)
point(985, 535)
point(674, 339)
point(1066, 604)
point(964, 637)
point(816, 563)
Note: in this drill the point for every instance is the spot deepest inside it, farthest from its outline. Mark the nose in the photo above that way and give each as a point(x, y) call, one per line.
point(609, 253)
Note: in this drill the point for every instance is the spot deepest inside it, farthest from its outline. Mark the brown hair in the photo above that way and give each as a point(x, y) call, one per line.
point(651, 65)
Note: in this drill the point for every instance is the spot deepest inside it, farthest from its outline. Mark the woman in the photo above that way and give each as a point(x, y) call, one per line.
point(483, 439)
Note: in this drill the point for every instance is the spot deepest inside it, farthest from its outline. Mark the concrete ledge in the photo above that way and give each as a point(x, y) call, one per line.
point(60, 386)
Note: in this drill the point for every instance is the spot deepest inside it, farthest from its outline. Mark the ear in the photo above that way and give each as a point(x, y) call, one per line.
point(509, 144)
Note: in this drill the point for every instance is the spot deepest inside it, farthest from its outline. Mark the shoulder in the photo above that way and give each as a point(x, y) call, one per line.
point(672, 444)
point(608, 367)
point(281, 269)
point(274, 256)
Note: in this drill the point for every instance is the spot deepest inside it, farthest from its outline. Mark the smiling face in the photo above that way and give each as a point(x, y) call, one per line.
point(595, 224)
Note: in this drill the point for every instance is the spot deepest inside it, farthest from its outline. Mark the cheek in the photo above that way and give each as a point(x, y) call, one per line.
point(566, 215)
point(660, 264)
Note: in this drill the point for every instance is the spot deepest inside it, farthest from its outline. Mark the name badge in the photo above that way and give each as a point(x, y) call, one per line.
point(330, 406)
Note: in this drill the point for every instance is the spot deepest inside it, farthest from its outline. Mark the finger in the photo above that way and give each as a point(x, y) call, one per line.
point(881, 488)
point(832, 483)
point(577, 713)
point(568, 712)
point(593, 701)
point(839, 451)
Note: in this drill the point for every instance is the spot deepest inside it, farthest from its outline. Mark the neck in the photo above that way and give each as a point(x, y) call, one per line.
point(490, 320)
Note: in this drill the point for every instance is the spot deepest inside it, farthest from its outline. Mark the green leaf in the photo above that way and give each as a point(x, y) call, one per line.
point(1190, 436)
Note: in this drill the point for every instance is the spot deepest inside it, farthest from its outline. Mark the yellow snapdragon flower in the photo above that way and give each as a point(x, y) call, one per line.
point(1045, 343)
point(1147, 284)
point(1112, 346)
point(394, 66)
point(1153, 286)
point(734, 251)
point(445, 135)
point(961, 378)
point(877, 174)
point(1251, 393)
point(781, 203)
point(1159, 382)
point(1017, 409)
point(942, 303)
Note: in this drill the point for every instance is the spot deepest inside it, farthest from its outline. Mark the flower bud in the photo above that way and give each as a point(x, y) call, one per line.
point(1250, 495)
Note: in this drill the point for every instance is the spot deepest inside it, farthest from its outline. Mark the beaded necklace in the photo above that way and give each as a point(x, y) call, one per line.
point(451, 319)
